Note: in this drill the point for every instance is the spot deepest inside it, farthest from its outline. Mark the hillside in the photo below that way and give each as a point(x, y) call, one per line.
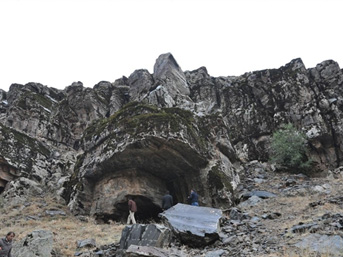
point(302, 207)
point(84, 151)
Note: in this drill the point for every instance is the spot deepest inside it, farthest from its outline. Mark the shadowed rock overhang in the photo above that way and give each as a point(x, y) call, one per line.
point(6, 173)
point(142, 151)
point(145, 170)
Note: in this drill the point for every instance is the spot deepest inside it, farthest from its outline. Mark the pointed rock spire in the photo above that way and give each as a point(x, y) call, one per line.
point(169, 74)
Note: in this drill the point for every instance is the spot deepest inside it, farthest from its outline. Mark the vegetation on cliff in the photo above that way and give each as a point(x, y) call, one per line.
point(288, 149)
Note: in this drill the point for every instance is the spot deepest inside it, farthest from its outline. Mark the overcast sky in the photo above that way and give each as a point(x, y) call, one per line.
point(58, 42)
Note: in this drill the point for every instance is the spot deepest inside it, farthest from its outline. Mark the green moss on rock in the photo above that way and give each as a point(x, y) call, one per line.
point(217, 179)
point(135, 118)
point(74, 179)
point(21, 140)
point(35, 98)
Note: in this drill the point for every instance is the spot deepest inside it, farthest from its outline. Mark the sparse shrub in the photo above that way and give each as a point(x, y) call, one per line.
point(289, 148)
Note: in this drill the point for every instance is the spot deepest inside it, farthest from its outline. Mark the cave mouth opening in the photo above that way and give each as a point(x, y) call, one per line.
point(147, 211)
point(2, 185)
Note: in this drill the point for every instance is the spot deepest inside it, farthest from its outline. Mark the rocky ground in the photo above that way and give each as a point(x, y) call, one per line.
point(45, 213)
point(281, 214)
point(285, 214)
point(278, 214)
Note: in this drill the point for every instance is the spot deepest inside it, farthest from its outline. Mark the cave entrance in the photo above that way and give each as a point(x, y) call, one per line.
point(112, 193)
point(147, 211)
point(2, 185)
point(145, 171)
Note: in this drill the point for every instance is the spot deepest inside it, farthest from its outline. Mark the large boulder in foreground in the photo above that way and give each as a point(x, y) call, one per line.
point(193, 225)
point(36, 243)
point(145, 235)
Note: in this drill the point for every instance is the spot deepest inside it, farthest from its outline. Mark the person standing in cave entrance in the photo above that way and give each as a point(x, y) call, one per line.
point(6, 245)
point(193, 198)
point(167, 201)
point(132, 210)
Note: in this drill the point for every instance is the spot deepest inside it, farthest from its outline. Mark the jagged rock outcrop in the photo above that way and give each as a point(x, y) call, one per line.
point(172, 129)
point(170, 88)
point(29, 167)
point(142, 151)
point(141, 82)
point(7, 173)
point(255, 104)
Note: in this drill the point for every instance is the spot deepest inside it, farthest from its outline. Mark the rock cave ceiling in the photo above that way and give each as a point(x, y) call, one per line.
point(166, 159)
point(145, 170)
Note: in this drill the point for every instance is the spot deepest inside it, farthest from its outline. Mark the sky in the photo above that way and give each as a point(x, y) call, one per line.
point(58, 42)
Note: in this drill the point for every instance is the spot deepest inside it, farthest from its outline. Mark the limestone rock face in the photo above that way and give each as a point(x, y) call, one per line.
point(205, 92)
point(256, 104)
point(142, 151)
point(167, 70)
point(141, 83)
point(175, 130)
point(29, 167)
point(171, 88)
point(120, 95)
point(7, 173)
point(30, 107)
point(79, 108)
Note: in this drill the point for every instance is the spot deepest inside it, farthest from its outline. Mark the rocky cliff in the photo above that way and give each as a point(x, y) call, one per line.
point(170, 130)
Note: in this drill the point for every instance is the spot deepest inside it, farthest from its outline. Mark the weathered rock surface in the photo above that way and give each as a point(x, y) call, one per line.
point(38, 243)
point(135, 251)
point(90, 242)
point(30, 166)
point(194, 225)
point(145, 235)
point(172, 129)
point(260, 194)
point(171, 84)
point(7, 173)
point(323, 244)
point(142, 151)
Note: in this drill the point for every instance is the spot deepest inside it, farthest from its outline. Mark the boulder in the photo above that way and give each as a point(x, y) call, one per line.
point(38, 243)
point(89, 242)
point(330, 245)
point(303, 227)
point(193, 225)
point(260, 194)
point(252, 201)
point(153, 235)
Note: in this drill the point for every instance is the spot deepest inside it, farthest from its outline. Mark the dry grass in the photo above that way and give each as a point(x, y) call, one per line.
point(296, 210)
point(66, 229)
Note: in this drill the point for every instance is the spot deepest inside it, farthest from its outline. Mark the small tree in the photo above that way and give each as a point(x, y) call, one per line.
point(288, 148)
